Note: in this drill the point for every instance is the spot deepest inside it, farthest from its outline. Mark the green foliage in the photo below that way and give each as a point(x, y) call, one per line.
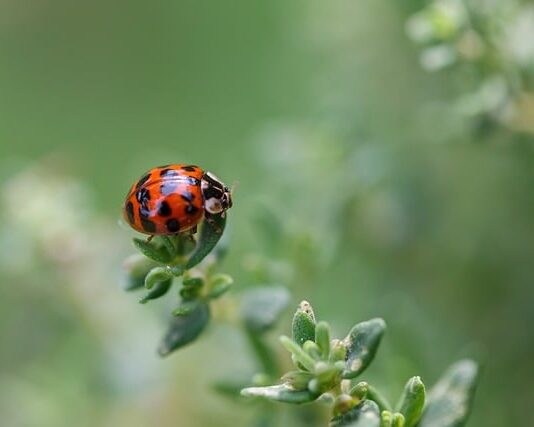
point(412, 401)
point(167, 258)
point(450, 400)
point(361, 344)
point(304, 324)
point(366, 414)
point(324, 368)
point(185, 328)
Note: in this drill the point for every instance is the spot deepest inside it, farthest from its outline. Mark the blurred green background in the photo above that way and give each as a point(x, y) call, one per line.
point(385, 166)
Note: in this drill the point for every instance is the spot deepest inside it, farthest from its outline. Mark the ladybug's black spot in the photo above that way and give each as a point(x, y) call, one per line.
point(143, 179)
point(173, 225)
point(191, 209)
point(164, 209)
point(187, 196)
point(189, 168)
point(130, 212)
point(143, 212)
point(143, 196)
point(148, 225)
point(168, 172)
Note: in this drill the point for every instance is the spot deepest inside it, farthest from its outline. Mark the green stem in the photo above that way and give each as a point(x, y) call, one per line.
point(263, 353)
point(379, 399)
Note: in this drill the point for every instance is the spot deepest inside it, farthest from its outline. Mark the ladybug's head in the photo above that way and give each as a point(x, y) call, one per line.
point(217, 196)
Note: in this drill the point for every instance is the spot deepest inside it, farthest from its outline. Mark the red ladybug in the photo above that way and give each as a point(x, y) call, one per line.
point(174, 198)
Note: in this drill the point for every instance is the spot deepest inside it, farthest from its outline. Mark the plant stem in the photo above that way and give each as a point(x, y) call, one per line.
point(379, 399)
point(263, 353)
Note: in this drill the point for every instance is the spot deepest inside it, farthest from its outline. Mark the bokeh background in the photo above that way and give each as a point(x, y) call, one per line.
point(384, 158)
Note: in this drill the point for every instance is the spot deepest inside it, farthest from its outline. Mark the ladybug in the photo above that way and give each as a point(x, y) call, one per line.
point(172, 199)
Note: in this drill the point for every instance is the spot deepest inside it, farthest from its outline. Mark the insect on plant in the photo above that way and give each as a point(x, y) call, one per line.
point(184, 210)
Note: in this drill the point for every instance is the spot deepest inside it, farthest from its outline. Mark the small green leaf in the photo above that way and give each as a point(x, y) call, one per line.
point(153, 251)
point(220, 284)
point(210, 233)
point(185, 329)
point(366, 414)
point(169, 245)
point(449, 401)
point(359, 390)
point(298, 353)
point(412, 401)
point(362, 343)
point(157, 274)
point(304, 323)
point(398, 420)
point(136, 267)
point(312, 349)
point(160, 289)
point(261, 307)
point(322, 337)
point(386, 419)
point(280, 393)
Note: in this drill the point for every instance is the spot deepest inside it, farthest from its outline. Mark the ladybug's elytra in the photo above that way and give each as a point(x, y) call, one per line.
point(174, 198)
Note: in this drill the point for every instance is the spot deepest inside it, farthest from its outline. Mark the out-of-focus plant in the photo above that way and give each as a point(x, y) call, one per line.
point(489, 46)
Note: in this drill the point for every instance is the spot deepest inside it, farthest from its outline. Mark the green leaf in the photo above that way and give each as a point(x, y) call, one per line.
point(362, 343)
point(312, 349)
point(261, 307)
point(386, 419)
point(210, 233)
point(366, 414)
point(303, 324)
point(280, 393)
point(169, 245)
point(449, 401)
point(157, 274)
point(322, 337)
point(412, 401)
point(160, 289)
point(136, 267)
point(360, 390)
point(398, 420)
point(220, 284)
point(153, 251)
point(298, 353)
point(185, 329)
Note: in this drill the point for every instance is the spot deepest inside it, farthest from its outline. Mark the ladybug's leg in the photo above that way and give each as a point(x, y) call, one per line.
point(149, 238)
